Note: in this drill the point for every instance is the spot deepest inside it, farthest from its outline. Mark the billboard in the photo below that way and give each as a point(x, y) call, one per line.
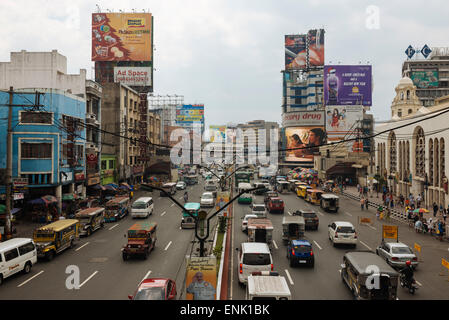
point(187, 115)
point(121, 37)
point(201, 278)
point(295, 51)
point(308, 138)
point(315, 40)
point(425, 78)
point(217, 133)
point(347, 85)
point(133, 76)
point(341, 121)
point(303, 119)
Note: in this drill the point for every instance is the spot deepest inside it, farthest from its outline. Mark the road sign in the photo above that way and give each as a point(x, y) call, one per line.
point(417, 247)
point(390, 232)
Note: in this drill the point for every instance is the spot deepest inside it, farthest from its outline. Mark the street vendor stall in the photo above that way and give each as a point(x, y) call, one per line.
point(44, 209)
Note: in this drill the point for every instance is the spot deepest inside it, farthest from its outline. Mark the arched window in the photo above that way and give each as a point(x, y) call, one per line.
point(431, 160)
point(408, 94)
point(436, 157)
point(393, 152)
point(420, 145)
point(407, 159)
point(442, 162)
point(410, 111)
point(402, 95)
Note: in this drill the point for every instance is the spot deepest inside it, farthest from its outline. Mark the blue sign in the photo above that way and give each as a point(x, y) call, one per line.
point(410, 52)
point(425, 51)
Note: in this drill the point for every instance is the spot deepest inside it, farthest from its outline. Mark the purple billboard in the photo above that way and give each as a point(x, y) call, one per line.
point(347, 85)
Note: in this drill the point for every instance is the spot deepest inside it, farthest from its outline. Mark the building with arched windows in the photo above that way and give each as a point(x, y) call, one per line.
point(410, 152)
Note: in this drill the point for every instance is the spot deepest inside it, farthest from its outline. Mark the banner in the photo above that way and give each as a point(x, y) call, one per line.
point(296, 52)
point(201, 278)
point(121, 37)
point(303, 119)
point(133, 76)
point(425, 78)
point(316, 48)
point(342, 123)
point(186, 115)
point(222, 198)
point(308, 138)
point(347, 85)
point(217, 133)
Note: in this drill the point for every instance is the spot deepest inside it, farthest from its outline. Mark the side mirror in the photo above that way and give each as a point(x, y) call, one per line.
point(130, 297)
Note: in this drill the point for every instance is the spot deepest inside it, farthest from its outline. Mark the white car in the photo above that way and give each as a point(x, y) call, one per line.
point(207, 199)
point(397, 254)
point(342, 232)
point(181, 185)
point(259, 210)
point(245, 221)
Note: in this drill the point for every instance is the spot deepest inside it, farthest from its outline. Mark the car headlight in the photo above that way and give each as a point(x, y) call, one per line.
point(139, 246)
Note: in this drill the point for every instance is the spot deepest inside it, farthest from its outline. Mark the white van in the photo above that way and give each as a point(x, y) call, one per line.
point(253, 257)
point(267, 286)
point(142, 207)
point(16, 255)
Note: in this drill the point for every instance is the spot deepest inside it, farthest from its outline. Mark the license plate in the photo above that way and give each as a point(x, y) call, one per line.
point(302, 261)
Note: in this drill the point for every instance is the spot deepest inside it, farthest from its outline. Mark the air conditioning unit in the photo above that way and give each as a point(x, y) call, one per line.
point(91, 118)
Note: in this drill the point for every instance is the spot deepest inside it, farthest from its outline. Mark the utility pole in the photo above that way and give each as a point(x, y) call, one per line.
point(8, 231)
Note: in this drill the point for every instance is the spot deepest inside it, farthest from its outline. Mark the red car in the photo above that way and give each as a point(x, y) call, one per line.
point(155, 289)
point(276, 204)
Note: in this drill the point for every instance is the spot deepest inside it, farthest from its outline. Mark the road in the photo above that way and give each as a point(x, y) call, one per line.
point(323, 282)
point(103, 273)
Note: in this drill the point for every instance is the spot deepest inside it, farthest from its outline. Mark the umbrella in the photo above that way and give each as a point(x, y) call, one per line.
point(420, 210)
point(115, 186)
point(109, 187)
point(37, 201)
point(99, 187)
point(49, 199)
point(124, 188)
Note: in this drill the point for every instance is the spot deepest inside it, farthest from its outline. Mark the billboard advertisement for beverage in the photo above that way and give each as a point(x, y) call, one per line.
point(217, 133)
point(186, 115)
point(306, 139)
point(425, 78)
point(316, 47)
point(133, 76)
point(295, 52)
point(121, 37)
point(347, 85)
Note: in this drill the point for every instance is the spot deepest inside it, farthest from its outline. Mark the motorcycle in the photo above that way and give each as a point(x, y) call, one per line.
point(410, 285)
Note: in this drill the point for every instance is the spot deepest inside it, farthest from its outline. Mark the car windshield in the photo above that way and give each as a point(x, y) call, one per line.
point(277, 201)
point(150, 294)
point(256, 259)
point(139, 205)
point(401, 250)
point(259, 208)
point(302, 248)
point(309, 215)
point(345, 230)
point(207, 196)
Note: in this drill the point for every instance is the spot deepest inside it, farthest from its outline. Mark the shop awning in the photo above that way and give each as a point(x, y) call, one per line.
point(345, 168)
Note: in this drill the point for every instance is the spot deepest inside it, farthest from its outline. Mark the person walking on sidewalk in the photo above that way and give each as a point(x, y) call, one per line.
point(362, 202)
point(366, 203)
point(379, 211)
point(435, 209)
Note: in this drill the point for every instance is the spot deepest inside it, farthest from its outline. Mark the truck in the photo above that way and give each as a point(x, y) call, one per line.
point(265, 285)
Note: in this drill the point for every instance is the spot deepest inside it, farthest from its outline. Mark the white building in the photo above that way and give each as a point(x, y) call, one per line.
point(413, 158)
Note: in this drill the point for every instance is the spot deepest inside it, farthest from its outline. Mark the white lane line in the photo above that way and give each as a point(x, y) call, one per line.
point(172, 205)
point(90, 277)
point(321, 213)
point(82, 246)
point(113, 226)
point(317, 244)
point(146, 276)
point(372, 227)
point(289, 278)
point(291, 214)
point(347, 213)
point(419, 284)
point(163, 213)
point(30, 279)
point(365, 245)
point(168, 245)
point(180, 198)
point(275, 245)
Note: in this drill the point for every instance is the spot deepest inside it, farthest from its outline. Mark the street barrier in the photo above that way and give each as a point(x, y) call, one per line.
point(365, 221)
point(417, 249)
point(444, 266)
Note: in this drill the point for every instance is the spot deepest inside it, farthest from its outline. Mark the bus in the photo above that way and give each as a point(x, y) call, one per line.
point(242, 177)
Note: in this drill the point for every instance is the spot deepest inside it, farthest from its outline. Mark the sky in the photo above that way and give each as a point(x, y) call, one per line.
point(228, 54)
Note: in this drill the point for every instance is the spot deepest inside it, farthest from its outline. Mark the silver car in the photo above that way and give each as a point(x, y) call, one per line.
point(397, 254)
point(207, 200)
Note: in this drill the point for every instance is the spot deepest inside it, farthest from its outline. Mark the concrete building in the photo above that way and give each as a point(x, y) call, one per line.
point(93, 133)
point(165, 106)
point(406, 102)
point(302, 90)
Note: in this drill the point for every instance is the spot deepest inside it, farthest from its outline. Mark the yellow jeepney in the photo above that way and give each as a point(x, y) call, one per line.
point(314, 196)
point(56, 237)
point(301, 191)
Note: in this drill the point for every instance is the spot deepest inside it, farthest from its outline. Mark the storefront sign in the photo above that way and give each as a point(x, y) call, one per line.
point(19, 196)
point(79, 176)
point(303, 119)
point(19, 182)
point(66, 176)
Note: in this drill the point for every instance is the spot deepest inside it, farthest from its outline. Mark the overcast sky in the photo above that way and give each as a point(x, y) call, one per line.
point(228, 54)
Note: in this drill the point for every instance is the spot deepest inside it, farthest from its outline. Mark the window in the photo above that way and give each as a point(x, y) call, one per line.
point(36, 117)
point(400, 113)
point(111, 164)
point(26, 248)
point(11, 254)
point(256, 259)
point(103, 164)
point(410, 111)
point(35, 150)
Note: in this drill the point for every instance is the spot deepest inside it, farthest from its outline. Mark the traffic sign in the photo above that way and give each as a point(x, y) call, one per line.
point(390, 232)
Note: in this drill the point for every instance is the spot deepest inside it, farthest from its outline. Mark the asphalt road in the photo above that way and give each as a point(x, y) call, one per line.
point(323, 282)
point(103, 273)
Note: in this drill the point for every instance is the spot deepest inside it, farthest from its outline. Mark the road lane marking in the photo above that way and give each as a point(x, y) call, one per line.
point(113, 226)
point(289, 278)
point(275, 245)
point(158, 198)
point(347, 213)
point(320, 213)
point(372, 227)
point(291, 214)
point(82, 246)
point(317, 245)
point(30, 279)
point(90, 277)
point(172, 205)
point(146, 276)
point(418, 283)
point(365, 245)
point(168, 245)
point(163, 213)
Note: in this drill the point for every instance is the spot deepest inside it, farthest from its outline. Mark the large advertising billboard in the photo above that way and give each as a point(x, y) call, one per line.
point(133, 76)
point(347, 85)
point(121, 37)
point(201, 278)
point(303, 143)
point(295, 52)
point(341, 121)
point(425, 78)
point(315, 48)
point(189, 114)
point(303, 119)
point(217, 133)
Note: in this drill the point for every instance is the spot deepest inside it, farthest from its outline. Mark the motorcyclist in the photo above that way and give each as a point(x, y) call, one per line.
point(186, 196)
point(407, 272)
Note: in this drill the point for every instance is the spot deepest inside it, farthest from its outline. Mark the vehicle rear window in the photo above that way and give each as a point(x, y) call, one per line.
point(277, 201)
point(302, 248)
point(258, 208)
point(150, 294)
point(345, 230)
point(401, 250)
point(309, 215)
point(256, 259)
point(139, 205)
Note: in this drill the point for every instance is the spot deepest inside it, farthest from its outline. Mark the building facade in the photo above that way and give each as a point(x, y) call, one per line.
point(93, 133)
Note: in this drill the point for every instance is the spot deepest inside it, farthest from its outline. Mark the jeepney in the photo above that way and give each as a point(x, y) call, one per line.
point(116, 208)
point(260, 230)
point(293, 228)
point(292, 184)
point(141, 240)
point(91, 219)
point(169, 187)
point(314, 196)
point(282, 186)
point(329, 202)
point(56, 237)
point(186, 220)
point(357, 269)
point(190, 180)
point(301, 191)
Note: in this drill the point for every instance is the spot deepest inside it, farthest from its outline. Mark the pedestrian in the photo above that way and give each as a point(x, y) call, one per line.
point(362, 202)
point(418, 201)
point(440, 230)
point(407, 202)
point(441, 209)
point(379, 210)
point(366, 203)
point(444, 215)
point(387, 201)
point(358, 189)
point(392, 203)
point(387, 214)
point(435, 209)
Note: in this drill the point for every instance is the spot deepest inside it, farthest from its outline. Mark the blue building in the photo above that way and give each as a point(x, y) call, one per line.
point(48, 142)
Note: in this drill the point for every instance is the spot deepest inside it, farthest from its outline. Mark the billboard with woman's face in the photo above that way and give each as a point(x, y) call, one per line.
point(303, 143)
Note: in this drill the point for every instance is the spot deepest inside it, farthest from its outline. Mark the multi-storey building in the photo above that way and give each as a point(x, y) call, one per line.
point(93, 133)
